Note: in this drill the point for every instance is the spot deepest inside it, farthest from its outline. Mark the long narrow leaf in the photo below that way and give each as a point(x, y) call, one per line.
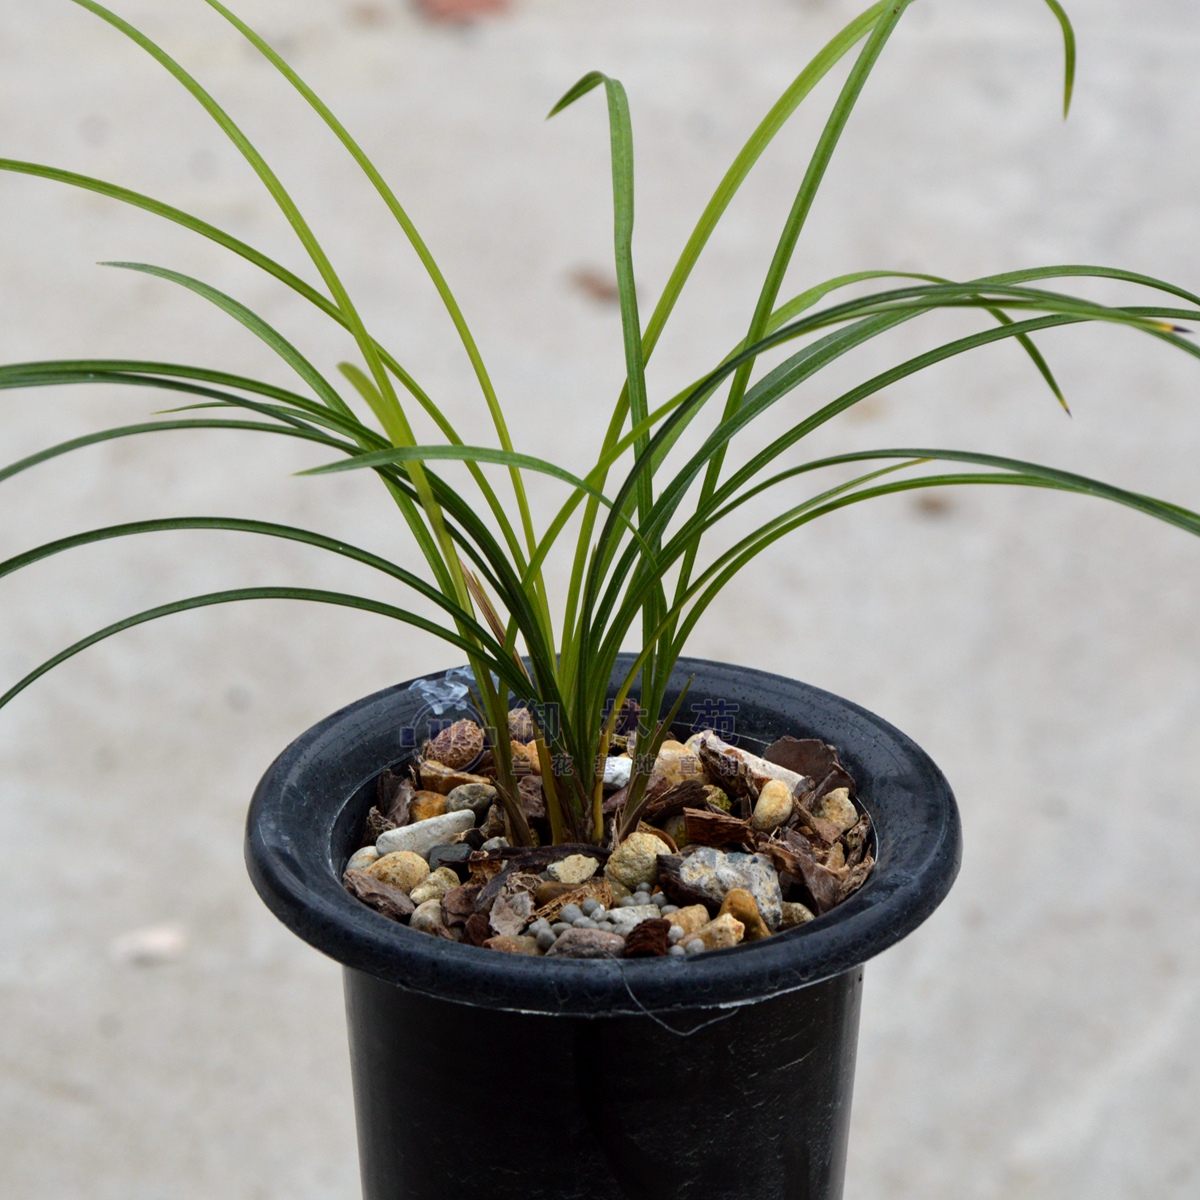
point(415, 240)
point(260, 528)
point(235, 595)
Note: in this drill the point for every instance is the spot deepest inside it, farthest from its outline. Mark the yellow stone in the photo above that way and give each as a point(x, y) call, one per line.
point(795, 913)
point(836, 806)
point(427, 804)
point(575, 868)
point(435, 887)
point(773, 807)
point(525, 758)
point(689, 919)
point(438, 778)
point(635, 860)
point(739, 903)
point(719, 934)
point(402, 869)
point(676, 762)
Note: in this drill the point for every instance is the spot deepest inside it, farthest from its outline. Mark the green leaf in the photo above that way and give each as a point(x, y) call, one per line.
point(1068, 33)
point(592, 79)
point(248, 319)
point(785, 248)
point(341, 599)
point(732, 181)
point(121, 431)
point(431, 268)
point(471, 454)
point(262, 529)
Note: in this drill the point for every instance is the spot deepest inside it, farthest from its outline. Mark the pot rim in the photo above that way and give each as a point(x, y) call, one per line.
point(301, 823)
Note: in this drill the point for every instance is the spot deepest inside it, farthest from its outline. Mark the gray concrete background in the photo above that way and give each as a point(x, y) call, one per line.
point(1038, 1038)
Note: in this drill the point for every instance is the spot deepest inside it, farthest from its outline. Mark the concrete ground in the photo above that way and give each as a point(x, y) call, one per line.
point(1037, 1039)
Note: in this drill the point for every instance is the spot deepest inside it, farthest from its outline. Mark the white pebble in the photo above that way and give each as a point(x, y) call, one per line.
point(675, 934)
point(677, 952)
point(422, 836)
point(360, 860)
point(695, 946)
point(617, 772)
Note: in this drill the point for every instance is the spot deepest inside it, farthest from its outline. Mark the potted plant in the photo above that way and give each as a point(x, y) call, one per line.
point(639, 574)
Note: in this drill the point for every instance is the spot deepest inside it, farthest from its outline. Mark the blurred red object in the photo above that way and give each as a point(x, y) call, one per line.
point(460, 10)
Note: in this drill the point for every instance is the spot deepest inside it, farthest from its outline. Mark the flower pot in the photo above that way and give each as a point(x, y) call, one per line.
point(477, 1074)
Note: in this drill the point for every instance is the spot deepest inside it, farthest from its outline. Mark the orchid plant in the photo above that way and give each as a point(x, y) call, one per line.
point(645, 513)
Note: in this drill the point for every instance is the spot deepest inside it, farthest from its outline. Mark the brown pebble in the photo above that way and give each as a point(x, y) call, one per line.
point(740, 904)
point(458, 905)
point(437, 777)
point(587, 943)
point(648, 939)
point(551, 891)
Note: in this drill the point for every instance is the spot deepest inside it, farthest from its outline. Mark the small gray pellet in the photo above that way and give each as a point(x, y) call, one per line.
point(677, 952)
point(589, 906)
point(668, 909)
point(659, 899)
point(626, 902)
point(585, 923)
point(571, 913)
point(675, 934)
point(546, 938)
point(560, 926)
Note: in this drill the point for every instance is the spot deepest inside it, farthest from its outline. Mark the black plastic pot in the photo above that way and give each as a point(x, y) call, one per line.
point(725, 1076)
